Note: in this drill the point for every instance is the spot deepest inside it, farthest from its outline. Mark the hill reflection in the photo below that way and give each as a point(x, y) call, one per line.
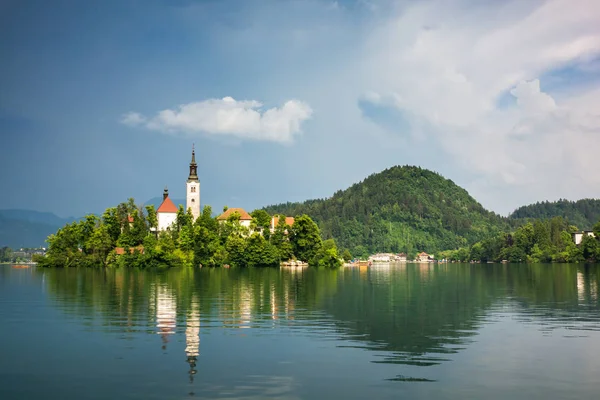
point(412, 314)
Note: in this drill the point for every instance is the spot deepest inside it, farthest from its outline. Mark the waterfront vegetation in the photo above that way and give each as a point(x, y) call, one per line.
point(125, 236)
point(538, 241)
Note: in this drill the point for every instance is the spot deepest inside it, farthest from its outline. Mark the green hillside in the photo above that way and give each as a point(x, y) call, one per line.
point(582, 213)
point(400, 209)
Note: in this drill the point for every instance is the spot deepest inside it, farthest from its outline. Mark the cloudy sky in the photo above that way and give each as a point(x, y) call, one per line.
point(291, 100)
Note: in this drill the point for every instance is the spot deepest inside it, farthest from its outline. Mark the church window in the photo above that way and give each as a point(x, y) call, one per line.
point(193, 200)
point(193, 189)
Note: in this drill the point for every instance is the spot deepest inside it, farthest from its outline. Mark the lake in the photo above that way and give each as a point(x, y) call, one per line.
point(416, 331)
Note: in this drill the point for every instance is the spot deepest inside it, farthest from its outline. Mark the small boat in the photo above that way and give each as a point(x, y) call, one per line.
point(20, 266)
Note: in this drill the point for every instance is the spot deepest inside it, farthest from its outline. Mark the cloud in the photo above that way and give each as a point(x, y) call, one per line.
point(448, 63)
point(133, 119)
point(227, 116)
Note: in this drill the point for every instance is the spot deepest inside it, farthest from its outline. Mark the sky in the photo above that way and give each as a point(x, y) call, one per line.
point(290, 100)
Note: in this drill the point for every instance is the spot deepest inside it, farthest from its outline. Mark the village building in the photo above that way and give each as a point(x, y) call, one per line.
point(578, 236)
point(401, 257)
point(166, 213)
point(289, 221)
point(245, 218)
point(424, 257)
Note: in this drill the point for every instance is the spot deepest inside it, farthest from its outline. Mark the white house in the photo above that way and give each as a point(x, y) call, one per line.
point(166, 213)
point(245, 218)
point(578, 236)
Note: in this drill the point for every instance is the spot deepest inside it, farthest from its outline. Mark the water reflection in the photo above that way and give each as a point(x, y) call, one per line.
point(192, 336)
point(410, 317)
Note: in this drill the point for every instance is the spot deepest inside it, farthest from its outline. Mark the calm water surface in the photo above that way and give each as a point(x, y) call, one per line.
point(404, 331)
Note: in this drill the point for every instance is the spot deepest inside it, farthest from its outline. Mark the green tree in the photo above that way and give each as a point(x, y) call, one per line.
point(327, 256)
point(236, 250)
point(260, 253)
point(151, 216)
point(589, 247)
point(305, 238)
point(99, 244)
point(261, 219)
point(346, 255)
point(280, 239)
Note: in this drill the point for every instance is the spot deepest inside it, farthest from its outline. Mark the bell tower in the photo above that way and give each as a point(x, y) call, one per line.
point(193, 188)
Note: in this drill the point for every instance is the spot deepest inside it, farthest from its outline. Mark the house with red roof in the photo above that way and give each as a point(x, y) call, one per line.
point(289, 221)
point(166, 214)
point(245, 218)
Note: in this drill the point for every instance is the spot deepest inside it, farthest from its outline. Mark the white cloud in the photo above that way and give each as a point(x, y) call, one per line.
point(243, 119)
point(133, 119)
point(448, 63)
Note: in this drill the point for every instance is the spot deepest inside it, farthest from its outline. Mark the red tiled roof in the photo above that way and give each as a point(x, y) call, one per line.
point(129, 218)
point(288, 221)
point(244, 216)
point(167, 206)
point(120, 250)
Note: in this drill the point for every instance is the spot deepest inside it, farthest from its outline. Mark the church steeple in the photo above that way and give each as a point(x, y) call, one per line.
point(193, 167)
point(193, 188)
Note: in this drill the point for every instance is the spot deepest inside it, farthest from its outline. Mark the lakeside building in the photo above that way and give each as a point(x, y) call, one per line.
point(424, 257)
point(166, 213)
point(245, 218)
point(578, 236)
point(275, 221)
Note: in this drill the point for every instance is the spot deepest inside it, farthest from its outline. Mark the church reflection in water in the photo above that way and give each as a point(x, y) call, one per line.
point(192, 336)
point(166, 312)
point(163, 304)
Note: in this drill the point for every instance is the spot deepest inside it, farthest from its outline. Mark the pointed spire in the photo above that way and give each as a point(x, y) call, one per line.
point(193, 167)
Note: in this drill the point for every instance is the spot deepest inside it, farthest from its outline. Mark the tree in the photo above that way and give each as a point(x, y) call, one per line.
point(113, 225)
point(280, 239)
point(151, 216)
point(589, 247)
point(261, 219)
point(326, 256)
point(346, 255)
point(259, 252)
point(100, 244)
point(596, 230)
point(305, 238)
point(236, 250)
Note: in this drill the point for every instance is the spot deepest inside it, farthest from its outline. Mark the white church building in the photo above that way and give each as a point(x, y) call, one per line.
point(167, 211)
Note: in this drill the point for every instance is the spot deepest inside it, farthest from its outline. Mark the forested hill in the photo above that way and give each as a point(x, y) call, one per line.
point(582, 213)
point(405, 209)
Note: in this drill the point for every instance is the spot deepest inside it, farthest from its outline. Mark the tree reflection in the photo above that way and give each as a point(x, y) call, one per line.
point(418, 313)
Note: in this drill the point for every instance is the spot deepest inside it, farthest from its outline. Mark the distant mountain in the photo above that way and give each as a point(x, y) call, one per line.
point(28, 228)
point(582, 213)
point(156, 201)
point(400, 209)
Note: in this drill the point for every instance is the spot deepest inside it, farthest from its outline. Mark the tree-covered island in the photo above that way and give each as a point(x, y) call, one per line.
point(402, 209)
point(127, 236)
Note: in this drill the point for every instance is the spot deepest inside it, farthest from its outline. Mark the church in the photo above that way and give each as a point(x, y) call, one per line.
point(167, 211)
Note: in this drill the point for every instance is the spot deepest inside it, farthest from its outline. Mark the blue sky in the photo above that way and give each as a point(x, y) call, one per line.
point(291, 100)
